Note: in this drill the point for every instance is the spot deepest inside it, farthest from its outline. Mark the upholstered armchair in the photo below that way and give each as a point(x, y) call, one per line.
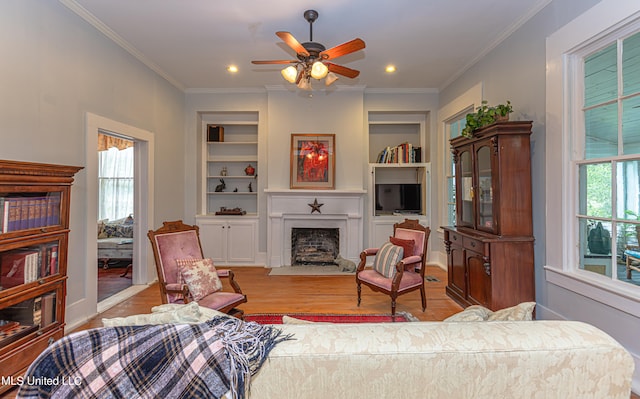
point(185, 275)
point(398, 267)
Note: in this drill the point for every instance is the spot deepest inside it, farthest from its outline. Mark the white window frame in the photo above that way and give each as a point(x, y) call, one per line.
point(564, 48)
point(466, 102)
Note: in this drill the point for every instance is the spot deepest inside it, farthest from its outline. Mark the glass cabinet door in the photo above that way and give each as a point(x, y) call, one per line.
point(485, 189)
point(466, 212)
point(34, 260)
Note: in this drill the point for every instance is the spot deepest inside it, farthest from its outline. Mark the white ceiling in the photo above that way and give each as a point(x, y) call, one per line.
point(191, 42)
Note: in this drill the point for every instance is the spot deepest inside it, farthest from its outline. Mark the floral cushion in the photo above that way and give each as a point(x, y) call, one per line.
point(520, 312)
point(200, 276)
point(386, 259)
point(121, 228)
point(407, 245)
point(472, 313)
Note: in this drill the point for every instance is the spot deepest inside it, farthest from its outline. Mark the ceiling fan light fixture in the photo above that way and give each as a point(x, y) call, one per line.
point(331, 77)
point(290, 74)
point(304, 83)
point(319, 70)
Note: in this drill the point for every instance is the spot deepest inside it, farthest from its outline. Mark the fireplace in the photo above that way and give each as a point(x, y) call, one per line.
point(287, 210)
point(314, 246)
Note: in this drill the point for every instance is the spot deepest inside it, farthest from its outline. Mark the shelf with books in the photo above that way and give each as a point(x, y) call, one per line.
point(34, 230)
point(23, 211)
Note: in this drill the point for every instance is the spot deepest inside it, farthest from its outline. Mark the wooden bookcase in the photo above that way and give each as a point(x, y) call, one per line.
point(34, 230)
point(490, 250)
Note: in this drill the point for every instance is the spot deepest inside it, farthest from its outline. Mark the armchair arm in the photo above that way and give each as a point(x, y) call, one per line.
point(363, 259)
point(370, 251)
point(226, 273)
point(409, 260)
point(178, 289)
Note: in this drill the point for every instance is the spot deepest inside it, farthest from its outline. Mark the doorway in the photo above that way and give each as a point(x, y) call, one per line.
point(116, 177)
point(143, 269)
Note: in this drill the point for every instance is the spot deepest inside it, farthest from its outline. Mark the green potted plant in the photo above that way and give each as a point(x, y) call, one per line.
point(486, 115)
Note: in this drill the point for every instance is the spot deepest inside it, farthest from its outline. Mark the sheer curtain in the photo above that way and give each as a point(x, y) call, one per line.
point(115, 178)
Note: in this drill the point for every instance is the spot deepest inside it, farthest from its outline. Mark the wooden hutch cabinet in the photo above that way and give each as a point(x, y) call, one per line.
point(34, 229)
point(490, 250)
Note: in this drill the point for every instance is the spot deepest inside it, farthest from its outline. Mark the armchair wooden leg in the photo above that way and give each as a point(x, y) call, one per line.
point(359, 292)
point(393, 306)
point(424, 298)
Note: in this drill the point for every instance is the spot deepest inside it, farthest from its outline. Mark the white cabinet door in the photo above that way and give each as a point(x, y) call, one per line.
point(213, 238)
point(241, 241)
point(229, 241)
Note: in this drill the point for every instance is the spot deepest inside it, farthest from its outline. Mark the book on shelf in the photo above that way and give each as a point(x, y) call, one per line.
point(18, 267)
point(402, 153)
point(28, 212)
point(27, 312)
point(48, 309)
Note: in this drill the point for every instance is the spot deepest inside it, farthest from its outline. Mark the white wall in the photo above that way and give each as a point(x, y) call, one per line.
point(55, 68)
point(516, 70)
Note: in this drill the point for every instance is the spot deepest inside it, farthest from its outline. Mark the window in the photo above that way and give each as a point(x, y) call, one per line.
point(454, 129)
point(607, 156)
point(115, 180)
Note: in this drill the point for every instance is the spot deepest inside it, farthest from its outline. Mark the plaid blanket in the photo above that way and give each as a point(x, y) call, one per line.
point(204, 360)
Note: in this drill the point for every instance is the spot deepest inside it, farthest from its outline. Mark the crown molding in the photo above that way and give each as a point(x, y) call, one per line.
point(109, 33)
point(425, 90)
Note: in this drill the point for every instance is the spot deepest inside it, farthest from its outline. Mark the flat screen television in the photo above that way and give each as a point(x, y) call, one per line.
point(398, 198)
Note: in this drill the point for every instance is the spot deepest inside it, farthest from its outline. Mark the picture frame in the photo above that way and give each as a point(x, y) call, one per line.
point(313, 161)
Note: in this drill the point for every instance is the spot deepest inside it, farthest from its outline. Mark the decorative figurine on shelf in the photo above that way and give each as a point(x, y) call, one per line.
point(223, 172)
point(250, 188)
point(220, 187)
point(235, 190)
point(249, 170)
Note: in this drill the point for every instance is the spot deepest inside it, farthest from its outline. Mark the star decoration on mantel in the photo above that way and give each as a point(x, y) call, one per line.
point(315, 207)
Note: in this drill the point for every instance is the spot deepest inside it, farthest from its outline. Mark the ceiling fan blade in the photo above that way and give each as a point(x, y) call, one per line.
point(275, 62)
point(342, 70)
point(293, 43)
point(343, 49)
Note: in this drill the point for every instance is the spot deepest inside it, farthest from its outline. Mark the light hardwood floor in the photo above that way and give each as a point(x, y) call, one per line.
point(307, 294)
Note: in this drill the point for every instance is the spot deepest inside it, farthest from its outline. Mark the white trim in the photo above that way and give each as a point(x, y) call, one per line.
point(143, 209)
point(469, 99)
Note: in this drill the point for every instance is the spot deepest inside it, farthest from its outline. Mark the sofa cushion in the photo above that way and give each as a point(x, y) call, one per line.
point(120, 228)
point(520, 312)
point(407, 245)
point(386, 259)
point(472, 313)
point(200, 276)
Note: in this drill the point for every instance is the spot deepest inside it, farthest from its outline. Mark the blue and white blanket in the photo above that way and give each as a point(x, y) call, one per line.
point(204, 360)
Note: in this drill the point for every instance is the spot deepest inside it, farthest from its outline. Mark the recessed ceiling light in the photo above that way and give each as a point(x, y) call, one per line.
point(390, 69)
point(232, 68)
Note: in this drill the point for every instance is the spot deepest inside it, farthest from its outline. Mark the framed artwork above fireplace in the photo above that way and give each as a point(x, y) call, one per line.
point(313, 161)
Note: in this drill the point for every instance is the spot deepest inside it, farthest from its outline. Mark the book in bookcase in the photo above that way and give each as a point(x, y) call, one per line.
point(27, 212)
point(18, 267)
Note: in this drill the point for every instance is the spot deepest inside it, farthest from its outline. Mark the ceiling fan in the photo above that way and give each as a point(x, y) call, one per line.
point(313, 58)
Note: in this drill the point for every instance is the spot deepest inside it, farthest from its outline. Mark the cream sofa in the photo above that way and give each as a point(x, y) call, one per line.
point(444, 360)
point(503, 359)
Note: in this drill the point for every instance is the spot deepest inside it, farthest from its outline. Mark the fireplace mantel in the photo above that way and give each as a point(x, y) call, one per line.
point(287, 209)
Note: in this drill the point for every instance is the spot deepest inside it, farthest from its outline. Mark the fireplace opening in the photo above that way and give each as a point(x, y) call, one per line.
point(311, 246)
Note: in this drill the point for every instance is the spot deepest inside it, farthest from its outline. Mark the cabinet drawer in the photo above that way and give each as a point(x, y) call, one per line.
point(17, 361)
point(455, 238)
point(474, 245)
